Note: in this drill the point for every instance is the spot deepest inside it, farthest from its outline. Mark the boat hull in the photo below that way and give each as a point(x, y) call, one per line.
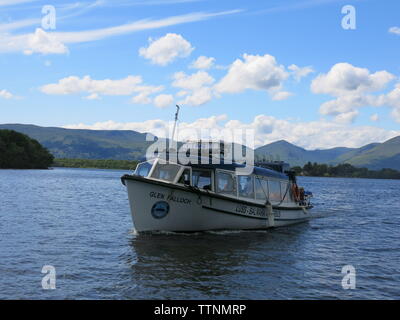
point(157, 206)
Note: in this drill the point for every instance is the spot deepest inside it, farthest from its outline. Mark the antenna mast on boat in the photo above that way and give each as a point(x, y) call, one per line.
point(176, 120)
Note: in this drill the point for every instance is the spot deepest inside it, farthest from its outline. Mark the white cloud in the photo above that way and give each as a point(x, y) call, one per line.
point(142, 98)
point(344, 78)
point(395, 30)
point(281, 95)
point(38, 42)
point(45, 43)
point(73, 84)
point(393, 99)
point(166, 49)
point(352, 87)
point(203, 62)
point(196, 87)
point(347, 103)
point(374, 117)
point(346, 117)
point(93, 96)
point(198, 97)
point(309, 135)
point(193, 81)
point(300, 72)
point(145, 91)
point(6, 94)
point(253, 72)
point(55, 42)
point(163, 100)
point(120, 87)
point(182, 93)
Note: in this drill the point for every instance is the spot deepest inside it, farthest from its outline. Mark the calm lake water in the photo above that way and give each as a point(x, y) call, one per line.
point(78, 221)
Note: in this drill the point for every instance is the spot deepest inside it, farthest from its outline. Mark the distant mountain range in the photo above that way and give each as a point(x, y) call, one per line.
point(87, 144)
point(129, 145)
point(373, 156)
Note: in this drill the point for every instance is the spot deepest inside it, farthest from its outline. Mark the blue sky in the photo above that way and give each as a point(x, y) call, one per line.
point(287, 69)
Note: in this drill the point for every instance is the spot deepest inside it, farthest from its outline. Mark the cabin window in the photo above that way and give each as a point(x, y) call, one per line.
point(274, 190)
point(143, 169)
point(165, 172)
point(261, 188)
point(226, 183)
point(246, 187)
point(185, 177)
point(201, 179)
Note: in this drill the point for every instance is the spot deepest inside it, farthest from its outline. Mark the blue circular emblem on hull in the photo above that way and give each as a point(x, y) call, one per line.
point(160, 209)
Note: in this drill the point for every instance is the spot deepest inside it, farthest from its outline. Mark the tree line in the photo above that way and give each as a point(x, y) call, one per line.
point(344, 170)
point(95, 163)
point(18, 151)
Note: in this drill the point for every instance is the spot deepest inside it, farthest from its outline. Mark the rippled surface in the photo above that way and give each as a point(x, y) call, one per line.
point(79, 221)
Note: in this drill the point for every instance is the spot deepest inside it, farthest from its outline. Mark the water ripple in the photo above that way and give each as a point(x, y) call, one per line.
point(79, 221)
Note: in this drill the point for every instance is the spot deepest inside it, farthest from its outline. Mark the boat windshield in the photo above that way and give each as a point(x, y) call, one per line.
point(143, 169)
point(165, 171)
point(202, 179)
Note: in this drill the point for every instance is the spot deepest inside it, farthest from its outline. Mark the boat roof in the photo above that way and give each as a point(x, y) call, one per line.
point(206, 163)
point(232, 167)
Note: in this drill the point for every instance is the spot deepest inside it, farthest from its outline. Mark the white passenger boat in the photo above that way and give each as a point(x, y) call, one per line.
point(169, 196)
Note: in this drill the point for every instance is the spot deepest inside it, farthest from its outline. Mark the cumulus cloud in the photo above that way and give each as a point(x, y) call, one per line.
point(310, 135)
point(374, 117)
point(300, 72)
point(166, 49)
point(38, 42)
point(395, 30)
point(45, 43)
point(193, 81)
point(6, 94)
point(393, 99)
point(197, 90)
point(120, 87)
point(163, 100)
point(346, 117)
point(352, 87)
point(203, 62)
point(281, 95)
point(93, 96)
point(344, 78)
point(142, 98)
point(253, 72)
point(198, 97)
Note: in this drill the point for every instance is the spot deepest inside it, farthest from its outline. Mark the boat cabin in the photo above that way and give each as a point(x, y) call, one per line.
point(261, 184)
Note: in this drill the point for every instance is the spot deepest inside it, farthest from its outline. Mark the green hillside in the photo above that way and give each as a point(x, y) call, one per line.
point(132, 145)
point(18, 151)
point(374, 156)
point(383, 155)
point(87, 144)
point(355, 152)
point(297, 156)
